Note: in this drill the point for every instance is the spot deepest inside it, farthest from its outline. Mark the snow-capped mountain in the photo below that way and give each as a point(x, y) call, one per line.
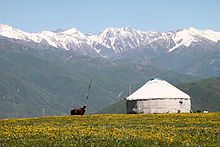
point(189, 51)
point(186, 37)
point(113, 41)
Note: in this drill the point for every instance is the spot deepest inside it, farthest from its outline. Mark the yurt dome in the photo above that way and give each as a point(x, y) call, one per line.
point(158, 96)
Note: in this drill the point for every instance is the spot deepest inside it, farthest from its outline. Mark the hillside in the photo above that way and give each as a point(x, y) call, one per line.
point(198, 60)
point(205, 95)
point(22, 99)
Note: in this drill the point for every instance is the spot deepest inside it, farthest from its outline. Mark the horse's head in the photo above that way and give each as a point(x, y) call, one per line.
point(84, 108)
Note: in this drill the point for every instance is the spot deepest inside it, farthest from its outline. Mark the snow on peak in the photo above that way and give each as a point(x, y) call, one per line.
point(5, 27)
point(72, 31)
point(186, 36)
point(10, 32)
point(47, 33)
point(191, 29)
point(120, 38)
point(119, 31)
point(58, 31)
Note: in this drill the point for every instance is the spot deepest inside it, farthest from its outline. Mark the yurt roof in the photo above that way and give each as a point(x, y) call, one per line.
point(157, 88)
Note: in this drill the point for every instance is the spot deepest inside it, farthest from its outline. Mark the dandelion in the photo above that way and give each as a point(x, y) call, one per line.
point(113, 130)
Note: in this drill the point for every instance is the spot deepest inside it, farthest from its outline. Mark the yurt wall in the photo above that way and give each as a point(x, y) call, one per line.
point(159, 106)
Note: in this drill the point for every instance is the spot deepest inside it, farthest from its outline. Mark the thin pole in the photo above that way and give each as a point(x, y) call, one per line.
point(129, 90)
point(87, 95)
point(43, 112)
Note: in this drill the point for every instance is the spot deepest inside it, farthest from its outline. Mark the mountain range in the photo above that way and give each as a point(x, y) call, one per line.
point(113, 41)
point(188, 51)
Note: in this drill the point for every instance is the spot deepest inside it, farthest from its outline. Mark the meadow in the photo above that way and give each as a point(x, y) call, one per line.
point(194, 129)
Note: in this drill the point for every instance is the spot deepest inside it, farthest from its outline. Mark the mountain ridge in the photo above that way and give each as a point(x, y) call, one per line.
point(112, 40)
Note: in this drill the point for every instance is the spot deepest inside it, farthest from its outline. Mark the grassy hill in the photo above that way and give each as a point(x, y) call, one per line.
point(60, 80)
point(205, 95)
point(22, 99)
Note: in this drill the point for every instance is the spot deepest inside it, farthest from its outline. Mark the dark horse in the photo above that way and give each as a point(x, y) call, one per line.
point(81, 111)
point(78, 111)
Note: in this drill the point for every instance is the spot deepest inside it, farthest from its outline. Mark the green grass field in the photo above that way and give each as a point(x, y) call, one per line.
point(195, 129)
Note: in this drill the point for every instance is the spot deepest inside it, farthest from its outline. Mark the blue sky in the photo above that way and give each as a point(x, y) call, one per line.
point(92, 16)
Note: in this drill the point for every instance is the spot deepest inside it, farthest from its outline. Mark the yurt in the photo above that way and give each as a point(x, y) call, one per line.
point(158, 96)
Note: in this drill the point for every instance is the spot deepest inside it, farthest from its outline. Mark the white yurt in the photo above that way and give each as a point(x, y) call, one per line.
point(158, 96)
